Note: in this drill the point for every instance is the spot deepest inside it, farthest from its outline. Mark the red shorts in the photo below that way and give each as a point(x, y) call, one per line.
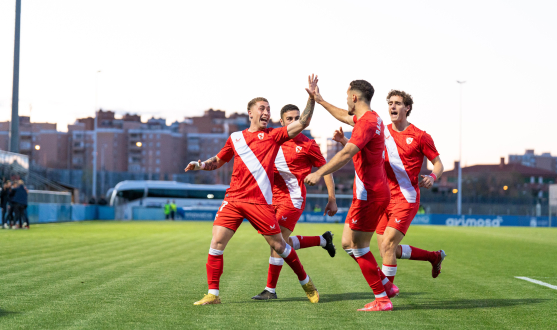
point(261, 217)
point(288, 216)
point(365, 215)
point(398, 215)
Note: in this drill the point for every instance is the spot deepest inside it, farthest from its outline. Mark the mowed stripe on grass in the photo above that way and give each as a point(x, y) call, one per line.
point(130, 275)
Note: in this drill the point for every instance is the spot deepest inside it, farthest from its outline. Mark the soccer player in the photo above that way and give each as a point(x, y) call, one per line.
point(405, 146)
point(294, 161)
point(250, 194)
point(371, 191)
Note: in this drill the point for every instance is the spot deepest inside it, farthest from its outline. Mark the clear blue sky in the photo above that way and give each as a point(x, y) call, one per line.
point(178, 58)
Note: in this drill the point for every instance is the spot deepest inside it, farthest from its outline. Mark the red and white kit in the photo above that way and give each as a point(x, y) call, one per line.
point(405, 153)
point(250, 194)
point(293, 163)
point(371, 191)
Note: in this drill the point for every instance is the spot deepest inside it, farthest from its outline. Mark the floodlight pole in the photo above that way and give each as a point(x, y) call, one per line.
point(94, 192)
point(459, 196)
point(14, 125)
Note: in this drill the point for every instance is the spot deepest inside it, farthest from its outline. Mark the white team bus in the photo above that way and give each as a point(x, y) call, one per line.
point(129, 194)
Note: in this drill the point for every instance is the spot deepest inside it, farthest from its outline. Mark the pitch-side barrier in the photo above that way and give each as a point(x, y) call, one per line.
point(420, 219)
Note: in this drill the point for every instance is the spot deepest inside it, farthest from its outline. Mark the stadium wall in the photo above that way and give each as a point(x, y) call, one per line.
point(47, 213)
point(422, 219)
point(64, 212)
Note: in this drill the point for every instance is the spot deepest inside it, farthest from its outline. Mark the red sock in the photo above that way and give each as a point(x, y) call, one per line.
point(309, 241)
point(369, 268)
point(214, 270)
point(273, 275)
point(294, 262)
point(419, 254)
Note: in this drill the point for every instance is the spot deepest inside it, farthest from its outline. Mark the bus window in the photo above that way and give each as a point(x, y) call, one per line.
point(167, 193)
point(132, 194)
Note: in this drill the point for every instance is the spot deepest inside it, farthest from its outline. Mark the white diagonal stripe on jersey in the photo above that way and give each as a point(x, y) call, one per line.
point(398, 167)
point(253, 165)
point(361, 192)
point(290, 180)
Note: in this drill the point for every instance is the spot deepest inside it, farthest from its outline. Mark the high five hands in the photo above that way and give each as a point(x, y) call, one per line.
point(313, 89)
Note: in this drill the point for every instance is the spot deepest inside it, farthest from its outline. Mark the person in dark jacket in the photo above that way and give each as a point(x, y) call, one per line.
point(4, 199)
point(19, 202)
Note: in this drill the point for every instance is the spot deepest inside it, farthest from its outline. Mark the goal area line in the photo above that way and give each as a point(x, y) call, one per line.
point(554, 287)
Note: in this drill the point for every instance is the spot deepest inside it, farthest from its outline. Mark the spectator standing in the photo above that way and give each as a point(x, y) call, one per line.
point(19, 202)
point(167, 210)
point(173, 210)
point(4, 198)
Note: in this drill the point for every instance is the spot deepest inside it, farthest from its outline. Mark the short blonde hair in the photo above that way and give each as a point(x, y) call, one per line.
point(255, 100)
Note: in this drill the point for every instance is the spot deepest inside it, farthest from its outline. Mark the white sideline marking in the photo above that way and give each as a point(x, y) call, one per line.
point(554, 287)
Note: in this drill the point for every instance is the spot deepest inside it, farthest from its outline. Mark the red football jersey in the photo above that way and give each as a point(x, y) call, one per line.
point(405, 155)
point(370, 182)
point(293, 163)
point(254, 159)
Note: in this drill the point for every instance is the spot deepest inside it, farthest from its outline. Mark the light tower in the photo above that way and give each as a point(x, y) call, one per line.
point(459, 196)
point(14, 127)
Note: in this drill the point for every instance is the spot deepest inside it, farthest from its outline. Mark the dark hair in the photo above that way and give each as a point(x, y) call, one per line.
point(406, 98)
point(288, 107)
point(364, 88)
point(255, 100)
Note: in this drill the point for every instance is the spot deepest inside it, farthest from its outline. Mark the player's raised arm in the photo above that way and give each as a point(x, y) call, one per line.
point(298, 126)
point(340, 114)
point(209, 165)
point(339, 160)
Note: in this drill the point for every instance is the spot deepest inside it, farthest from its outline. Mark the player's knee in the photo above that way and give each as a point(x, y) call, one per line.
point(346, 243)
point(387, 245)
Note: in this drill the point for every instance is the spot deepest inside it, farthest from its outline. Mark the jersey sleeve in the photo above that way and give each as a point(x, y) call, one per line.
point(362, 134)
point(227, 152)
point(280, 134)
point(428, 147)
point(315, 156)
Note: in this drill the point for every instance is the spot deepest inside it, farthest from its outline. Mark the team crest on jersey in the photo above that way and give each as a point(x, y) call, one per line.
point(409, 140)
point(298, 149)
point(260, 135)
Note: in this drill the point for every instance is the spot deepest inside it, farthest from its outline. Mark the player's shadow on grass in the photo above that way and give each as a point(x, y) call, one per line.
point(5, 312)
point(327, 298)
point(468, 303)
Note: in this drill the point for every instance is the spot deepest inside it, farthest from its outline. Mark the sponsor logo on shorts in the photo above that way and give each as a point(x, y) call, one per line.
point(260, 135)
point(284, 218)
point(354, 221)
point(238, 139)
point(298, 149)
point(397, 221)
point(409, 140)
point(272, 227)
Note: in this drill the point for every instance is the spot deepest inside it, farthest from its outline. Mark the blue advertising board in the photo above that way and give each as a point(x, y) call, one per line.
point(422, 219)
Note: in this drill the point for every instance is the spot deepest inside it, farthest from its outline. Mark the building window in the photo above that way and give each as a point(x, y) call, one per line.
point(150, 136)
point(150, 144)
point(158, 152)
point(158, 144)
point(158, 136)
point(540, 180)
point(158, 161)
point(532, 179)
point(157, 170)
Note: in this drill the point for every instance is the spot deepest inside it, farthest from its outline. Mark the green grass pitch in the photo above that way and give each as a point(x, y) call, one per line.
point(134, 275)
